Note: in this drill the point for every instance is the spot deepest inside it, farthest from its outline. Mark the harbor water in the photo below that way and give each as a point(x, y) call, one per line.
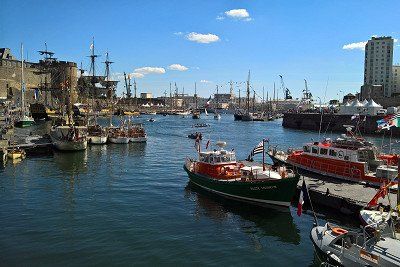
point(132, 204)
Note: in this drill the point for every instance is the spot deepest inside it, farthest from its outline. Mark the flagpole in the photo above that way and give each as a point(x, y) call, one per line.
point(312, 208)
point(263, 158)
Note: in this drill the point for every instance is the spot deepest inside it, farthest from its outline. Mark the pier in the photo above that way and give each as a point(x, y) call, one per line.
point(344, 197)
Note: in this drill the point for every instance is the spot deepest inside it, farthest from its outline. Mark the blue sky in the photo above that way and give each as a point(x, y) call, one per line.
point(299, 39)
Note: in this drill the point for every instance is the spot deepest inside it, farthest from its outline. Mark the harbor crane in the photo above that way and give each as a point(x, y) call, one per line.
point(286, 91)
point(128, 85)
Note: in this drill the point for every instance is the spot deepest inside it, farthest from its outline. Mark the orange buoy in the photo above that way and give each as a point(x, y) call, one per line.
point(339, 231)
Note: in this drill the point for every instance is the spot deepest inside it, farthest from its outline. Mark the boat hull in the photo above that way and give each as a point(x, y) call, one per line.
point(275, 192)
point(70, 145)
point(138, 139)
point(119, 140)
point(97, 140)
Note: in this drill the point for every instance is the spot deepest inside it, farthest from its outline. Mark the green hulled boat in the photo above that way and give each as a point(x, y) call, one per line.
point(218, 172)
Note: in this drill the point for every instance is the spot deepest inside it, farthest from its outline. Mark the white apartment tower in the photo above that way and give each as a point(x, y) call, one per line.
point(378, 63)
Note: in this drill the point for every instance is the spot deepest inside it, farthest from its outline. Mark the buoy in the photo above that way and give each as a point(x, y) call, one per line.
point(339, 231)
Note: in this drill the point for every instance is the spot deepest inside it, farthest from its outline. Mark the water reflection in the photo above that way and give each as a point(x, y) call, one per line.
point(272, 221)
point(71, 162)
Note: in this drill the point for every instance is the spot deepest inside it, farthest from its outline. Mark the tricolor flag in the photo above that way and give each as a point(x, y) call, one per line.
point(303, 196)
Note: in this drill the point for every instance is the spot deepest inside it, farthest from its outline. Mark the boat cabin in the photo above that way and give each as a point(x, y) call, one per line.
point(217, 157)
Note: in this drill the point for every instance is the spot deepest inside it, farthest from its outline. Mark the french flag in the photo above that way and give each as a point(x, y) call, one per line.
point(303, 196)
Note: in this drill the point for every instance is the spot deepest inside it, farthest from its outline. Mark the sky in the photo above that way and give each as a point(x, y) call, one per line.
point(209, 42)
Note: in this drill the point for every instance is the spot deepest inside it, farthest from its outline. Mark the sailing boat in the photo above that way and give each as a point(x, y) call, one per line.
point(248, 116)
point(96, 134)
point(25, 120)
point(69, 137)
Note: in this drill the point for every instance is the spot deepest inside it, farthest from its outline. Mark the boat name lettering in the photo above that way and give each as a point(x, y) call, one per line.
point(255, 188)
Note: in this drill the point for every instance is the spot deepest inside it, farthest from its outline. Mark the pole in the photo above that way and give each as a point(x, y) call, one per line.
point(22, 82)
point(263, 158)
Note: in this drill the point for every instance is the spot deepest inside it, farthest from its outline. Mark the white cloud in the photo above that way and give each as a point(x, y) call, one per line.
point(149, 70)
point(177, 67)
point(178, 33)
point(205, 81)
point(202, 38)
point(220, 18)
point(136, 75)
point(240, 13)
point(395, 40)
point(352, 46)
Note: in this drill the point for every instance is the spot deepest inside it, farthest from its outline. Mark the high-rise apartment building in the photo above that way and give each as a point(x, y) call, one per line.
point(378, 65)
point(396, 80)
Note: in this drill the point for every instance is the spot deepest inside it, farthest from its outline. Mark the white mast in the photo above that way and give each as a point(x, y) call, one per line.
point(22, 82)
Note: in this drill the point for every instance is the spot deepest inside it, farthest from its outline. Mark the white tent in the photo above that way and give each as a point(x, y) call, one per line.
point(372, 107)
point(345, 109)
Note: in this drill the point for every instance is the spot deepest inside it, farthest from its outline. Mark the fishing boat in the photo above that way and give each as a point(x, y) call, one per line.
point(96, 135)
point(348, 157)
point(375, 245)
point(137, 133)
point(69, 137)
point(25, 120)
point(217, 171)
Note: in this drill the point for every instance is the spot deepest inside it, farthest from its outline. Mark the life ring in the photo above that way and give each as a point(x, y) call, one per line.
point(340, 154)
point(339, 231)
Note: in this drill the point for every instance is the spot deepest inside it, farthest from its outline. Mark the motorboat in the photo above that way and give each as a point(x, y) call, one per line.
point(217, 171)
point(348, 157)
point(375, 245)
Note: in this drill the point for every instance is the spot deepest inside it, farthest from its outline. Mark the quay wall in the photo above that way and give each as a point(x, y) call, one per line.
point(333, 123)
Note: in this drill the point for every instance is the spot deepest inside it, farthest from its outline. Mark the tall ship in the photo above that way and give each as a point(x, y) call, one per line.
point(218, 172)
point(246, 115)
point(348, 157)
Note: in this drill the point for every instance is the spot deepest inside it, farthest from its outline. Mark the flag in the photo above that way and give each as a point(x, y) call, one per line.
point(208, 143)
point(257, 150)
point(303, 196)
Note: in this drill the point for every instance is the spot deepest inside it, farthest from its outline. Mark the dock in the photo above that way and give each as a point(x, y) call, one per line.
point(345, 197)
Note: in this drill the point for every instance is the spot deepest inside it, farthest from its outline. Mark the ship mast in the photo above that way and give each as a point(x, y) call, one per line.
point(93, 71)
point(22, 83)
point(248, 95)
point(195, 96)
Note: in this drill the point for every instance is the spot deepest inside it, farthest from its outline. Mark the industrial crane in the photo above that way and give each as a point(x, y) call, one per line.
point(128, 85)
point(286, 91)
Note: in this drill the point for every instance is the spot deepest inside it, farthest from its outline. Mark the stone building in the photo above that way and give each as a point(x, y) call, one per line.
point(47, 78)
point(396, 80)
